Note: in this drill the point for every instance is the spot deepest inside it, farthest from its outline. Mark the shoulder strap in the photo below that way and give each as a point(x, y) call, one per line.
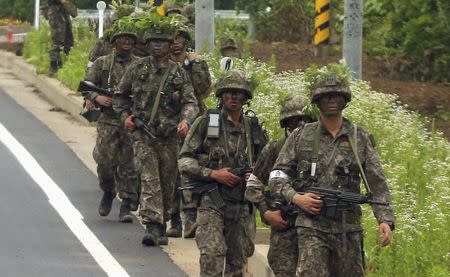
point(354, 145)
point(315, 151)
point(158, 95)
point(248, 136)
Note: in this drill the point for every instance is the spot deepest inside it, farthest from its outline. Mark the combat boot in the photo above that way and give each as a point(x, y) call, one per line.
point(190, 225)
point(125, 214)
point(175, 226)
point(162, 239)
point(53, 68)
point(106, 203)
point(151, 235)
point(134, 204)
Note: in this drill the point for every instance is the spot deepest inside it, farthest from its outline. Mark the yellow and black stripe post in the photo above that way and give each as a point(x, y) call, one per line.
point(322, 23)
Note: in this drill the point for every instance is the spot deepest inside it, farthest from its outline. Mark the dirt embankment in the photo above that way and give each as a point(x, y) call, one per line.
point(429, 99)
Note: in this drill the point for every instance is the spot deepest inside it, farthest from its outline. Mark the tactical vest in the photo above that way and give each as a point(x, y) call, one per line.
point(255, 139)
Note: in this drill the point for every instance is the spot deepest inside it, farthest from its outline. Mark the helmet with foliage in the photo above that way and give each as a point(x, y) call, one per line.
point(189, 12)
point(157, 26)
point(157, 33)
point(121, 9)
point(234, 80)
point(184, 31)
point(293, 106)
point(121, 27)
point(333, 78)
point(173, 10)
point(228, 43)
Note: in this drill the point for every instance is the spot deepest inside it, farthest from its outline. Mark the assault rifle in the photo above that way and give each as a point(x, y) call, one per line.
point(142, 126)
point(200, 187)
point(94, 113)
point(275, 204)
point(335, 200)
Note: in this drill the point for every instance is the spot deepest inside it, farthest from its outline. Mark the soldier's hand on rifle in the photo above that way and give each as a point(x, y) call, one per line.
point(129, 124)
point(182, 128)
point(104, 100)
point(275, 220)
point(385, 234)
point(225, 177)
point(88, 104)
point(192, 56)
point(309, 202)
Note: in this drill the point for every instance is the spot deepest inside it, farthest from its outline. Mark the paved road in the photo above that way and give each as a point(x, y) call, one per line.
point(35, 240)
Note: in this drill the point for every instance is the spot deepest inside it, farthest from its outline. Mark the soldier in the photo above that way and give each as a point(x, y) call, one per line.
point(219, 141)
point(201, 81)
point(58, 15)
point(158, 92)
point(228, 48)
point(113, 151)
point(283, 251)
point(332, 154)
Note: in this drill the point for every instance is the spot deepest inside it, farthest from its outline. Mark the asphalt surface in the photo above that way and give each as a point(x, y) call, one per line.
point(34, 239)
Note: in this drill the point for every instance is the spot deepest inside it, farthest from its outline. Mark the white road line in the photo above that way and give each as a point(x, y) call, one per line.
point(63, 206)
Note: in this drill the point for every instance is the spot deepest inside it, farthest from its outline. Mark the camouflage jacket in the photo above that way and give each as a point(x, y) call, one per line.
point(336, 169)
point(199, 154)
point(106, 73)
point(137, 91)
point(201, 80)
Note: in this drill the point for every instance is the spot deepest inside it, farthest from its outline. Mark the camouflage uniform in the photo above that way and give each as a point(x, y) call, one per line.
point(320, 237)
point(60, 32)
point(156, 157)
point(113, 151)
point(223, 234)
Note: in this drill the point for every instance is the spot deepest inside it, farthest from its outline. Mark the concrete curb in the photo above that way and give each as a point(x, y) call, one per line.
point(62, 97)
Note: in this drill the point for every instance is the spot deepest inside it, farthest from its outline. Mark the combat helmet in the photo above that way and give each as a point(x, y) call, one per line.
point(228, 43)
point(234, 80)
point(122, 27)
point(293, 106)
point(330, 83)
point(158, 33)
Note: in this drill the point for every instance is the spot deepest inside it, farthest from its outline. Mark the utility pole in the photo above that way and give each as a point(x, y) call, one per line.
point(352, 49)
point(204, 26)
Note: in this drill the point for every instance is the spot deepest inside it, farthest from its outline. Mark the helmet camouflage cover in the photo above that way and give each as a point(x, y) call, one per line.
point(234, 80)
point(122, 27)
point(156, 33)
point(228, 43)
point(293, 106)
point(327, 84)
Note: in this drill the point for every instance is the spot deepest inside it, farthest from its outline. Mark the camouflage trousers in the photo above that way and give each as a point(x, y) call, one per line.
point(223, 238)
point(113, 154)
point(156, 161)
point(182, 199)
point(321, 254)
point(283, 252)
point(60, 33)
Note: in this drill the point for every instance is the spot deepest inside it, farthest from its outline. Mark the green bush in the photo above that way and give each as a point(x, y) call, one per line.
point(37, 44)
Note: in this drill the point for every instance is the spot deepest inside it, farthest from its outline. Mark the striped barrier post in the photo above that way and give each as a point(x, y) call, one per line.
point(322, 24)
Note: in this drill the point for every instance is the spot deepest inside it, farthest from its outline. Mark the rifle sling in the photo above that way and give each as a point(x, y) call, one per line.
point(354, 144)
point(158, 95)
